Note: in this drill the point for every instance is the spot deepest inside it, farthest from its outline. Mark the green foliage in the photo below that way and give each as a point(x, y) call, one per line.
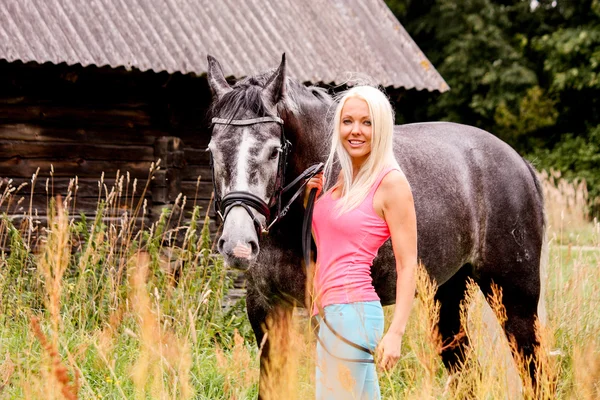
point(472, 46)
point(171, 330)
point(576, 156)
point(19, 284)
point(481, 65)
point(536, 111)
point(530, 75)
point(572, 58)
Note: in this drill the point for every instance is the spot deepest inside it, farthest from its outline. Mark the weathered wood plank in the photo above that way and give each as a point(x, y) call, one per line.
point(160, 195)
point(89, 151)
point(88, 187)
point(192, 172)
point(40, 203)
point(43, 133)
point(30, 100)
point(160, 179)
point(22, 168)
point(173, 183)
point(84, 116)
point(195, 139)
point(192, 189)
point(195, 156)
point(19, 204)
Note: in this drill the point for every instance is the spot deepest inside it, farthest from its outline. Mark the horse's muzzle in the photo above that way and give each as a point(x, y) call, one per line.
point(240, 264)
point(238, 255)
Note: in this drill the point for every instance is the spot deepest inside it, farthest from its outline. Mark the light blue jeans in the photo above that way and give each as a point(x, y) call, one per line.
point(361, 323)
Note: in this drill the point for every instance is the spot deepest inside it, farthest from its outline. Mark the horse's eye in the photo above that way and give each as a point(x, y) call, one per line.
point(274, 153)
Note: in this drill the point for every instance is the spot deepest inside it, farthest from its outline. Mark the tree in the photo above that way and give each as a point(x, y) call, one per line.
point(527, 72)
point(474, 46)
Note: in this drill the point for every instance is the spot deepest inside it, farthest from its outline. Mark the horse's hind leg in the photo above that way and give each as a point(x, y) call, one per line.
point(520, 293)
point(454, 341)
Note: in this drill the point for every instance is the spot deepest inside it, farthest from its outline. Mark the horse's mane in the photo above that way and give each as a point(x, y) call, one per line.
point(246, 95)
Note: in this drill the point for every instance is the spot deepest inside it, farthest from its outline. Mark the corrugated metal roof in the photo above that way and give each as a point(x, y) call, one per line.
point(323, 39)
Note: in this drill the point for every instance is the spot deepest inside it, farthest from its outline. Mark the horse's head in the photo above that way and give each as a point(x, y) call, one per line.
point(248, 155)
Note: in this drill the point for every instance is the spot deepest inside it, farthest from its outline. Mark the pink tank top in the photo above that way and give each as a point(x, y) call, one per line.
point(346, 247)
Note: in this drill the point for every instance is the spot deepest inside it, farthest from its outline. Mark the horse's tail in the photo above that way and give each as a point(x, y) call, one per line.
point(545, 252)
point(544, 257)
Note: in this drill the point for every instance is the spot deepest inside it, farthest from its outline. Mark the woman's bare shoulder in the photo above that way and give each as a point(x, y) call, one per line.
point(395, 178)
point(395, 186)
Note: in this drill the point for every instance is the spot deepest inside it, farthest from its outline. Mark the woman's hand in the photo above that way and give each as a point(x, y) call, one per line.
point(316, 182)
point(388, 351)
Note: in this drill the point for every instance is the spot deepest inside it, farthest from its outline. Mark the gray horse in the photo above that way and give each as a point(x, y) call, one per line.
point(479, 207)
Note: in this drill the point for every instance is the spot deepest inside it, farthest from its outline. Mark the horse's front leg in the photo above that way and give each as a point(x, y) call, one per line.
point(272, 328)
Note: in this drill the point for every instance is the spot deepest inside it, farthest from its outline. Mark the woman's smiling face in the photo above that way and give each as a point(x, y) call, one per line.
point(356, 130)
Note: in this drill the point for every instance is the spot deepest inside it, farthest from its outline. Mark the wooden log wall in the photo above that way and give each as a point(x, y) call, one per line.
point(106, 127)
point(90, 122)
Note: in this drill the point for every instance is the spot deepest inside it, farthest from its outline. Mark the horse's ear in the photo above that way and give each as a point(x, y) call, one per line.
point(275, 88)
point(216, 78)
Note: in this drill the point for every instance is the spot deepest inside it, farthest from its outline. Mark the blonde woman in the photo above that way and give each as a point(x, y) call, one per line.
point(369, 202)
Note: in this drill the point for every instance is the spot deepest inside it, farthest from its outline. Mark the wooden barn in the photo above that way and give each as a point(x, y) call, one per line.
point(101, 90)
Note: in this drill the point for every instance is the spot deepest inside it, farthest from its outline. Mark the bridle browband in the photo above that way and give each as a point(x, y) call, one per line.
point(249, 201)
point(252, 121)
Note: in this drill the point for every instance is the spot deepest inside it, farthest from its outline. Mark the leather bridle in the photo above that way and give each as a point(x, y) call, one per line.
point(273, 210)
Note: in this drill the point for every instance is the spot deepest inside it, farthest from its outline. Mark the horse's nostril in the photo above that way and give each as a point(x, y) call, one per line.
point(220, 245)
point(254, 247)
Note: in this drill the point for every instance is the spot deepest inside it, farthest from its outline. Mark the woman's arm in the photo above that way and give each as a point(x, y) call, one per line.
point(398, 210)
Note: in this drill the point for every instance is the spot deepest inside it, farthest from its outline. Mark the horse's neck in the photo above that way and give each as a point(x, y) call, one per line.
point(311, 143)
point(309, 136)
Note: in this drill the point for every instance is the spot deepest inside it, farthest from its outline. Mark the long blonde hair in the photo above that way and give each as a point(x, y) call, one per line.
point(382, 152)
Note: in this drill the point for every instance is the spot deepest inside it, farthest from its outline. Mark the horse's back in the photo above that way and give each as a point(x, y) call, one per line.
point(469, 188)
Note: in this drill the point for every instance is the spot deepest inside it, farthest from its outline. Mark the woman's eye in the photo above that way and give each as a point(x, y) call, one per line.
point(346, 122)
point(367, 123)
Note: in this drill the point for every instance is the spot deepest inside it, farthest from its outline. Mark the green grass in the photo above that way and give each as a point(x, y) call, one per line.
point(585, 235)
point(573, 303)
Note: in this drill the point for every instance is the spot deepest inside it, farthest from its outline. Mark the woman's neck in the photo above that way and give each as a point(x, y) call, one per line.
point(356, 166)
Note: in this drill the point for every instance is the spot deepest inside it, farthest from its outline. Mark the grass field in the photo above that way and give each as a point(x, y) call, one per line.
point(91, 310)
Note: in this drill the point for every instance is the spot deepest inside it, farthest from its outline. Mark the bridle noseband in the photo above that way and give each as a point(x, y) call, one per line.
point(249, 201)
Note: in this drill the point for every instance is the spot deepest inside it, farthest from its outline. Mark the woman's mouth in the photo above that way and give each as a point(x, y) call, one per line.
point(356, 143)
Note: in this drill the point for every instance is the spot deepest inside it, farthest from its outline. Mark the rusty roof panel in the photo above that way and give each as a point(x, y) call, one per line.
point(325, 40)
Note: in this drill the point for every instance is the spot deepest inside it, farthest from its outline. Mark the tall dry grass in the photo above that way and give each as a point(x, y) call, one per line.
point(569, 350)
point(567, 207)
point(91, 308)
